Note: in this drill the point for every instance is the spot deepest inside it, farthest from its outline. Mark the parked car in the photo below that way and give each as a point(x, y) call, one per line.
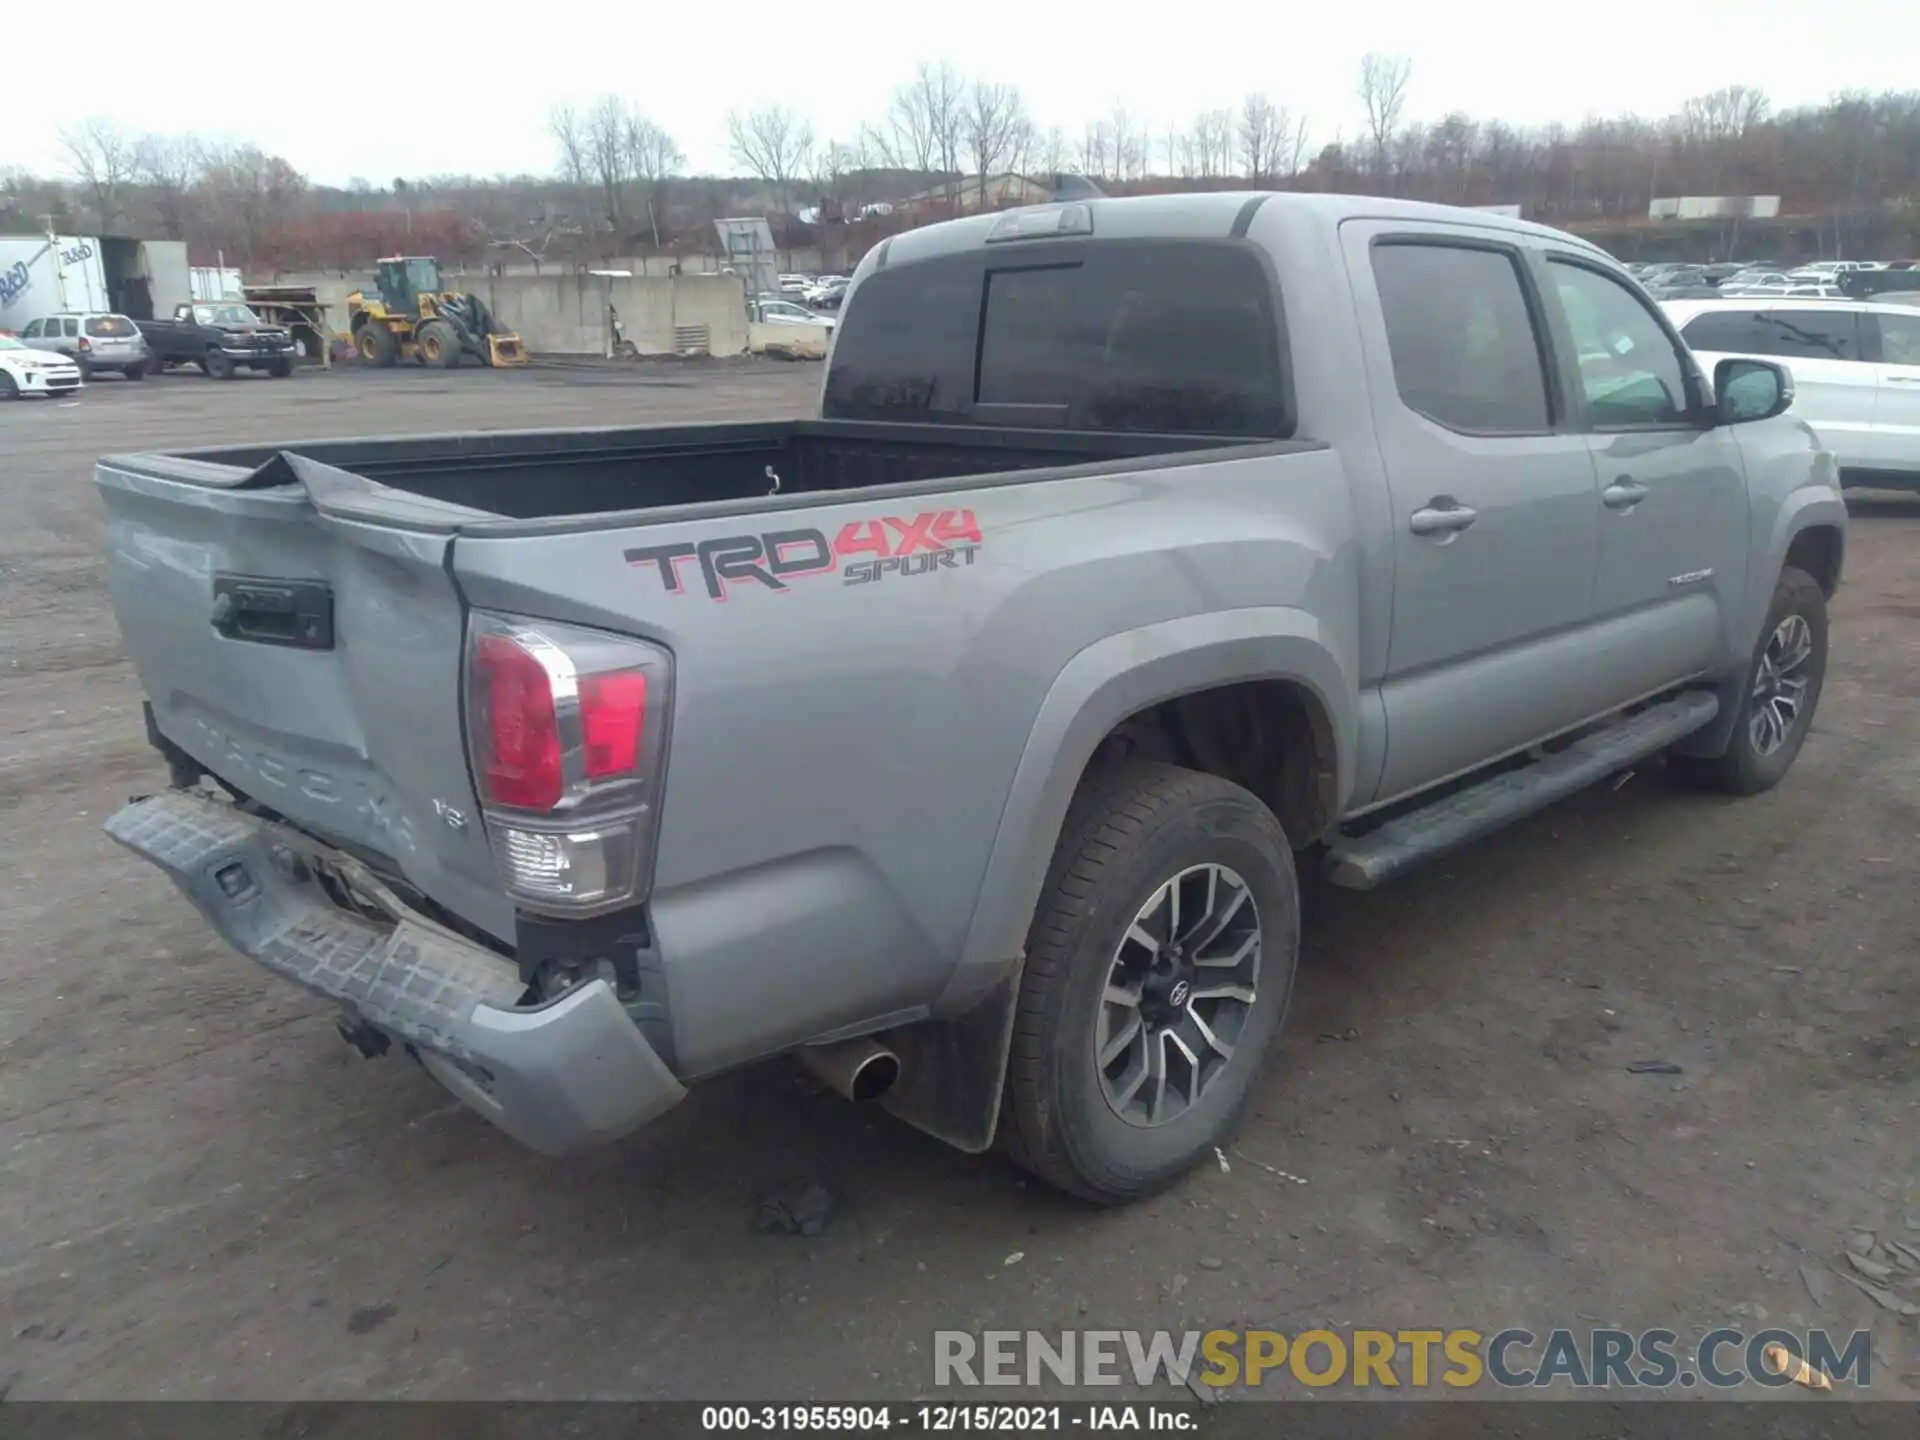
point(1855, 367)
point(95, 341)
point(221, 337)
point(794, 284)
point(27, 371)
point(1109, 595)
point(793, 314)
point(825, 293)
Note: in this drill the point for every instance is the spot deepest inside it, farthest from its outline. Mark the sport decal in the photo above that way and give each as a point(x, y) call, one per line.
point(865, 551)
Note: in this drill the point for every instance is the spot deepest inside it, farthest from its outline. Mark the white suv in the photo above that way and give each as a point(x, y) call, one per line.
point(1855, 365)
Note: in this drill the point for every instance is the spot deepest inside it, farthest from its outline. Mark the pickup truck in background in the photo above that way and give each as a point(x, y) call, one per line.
point(221, 337)
point(970, 741)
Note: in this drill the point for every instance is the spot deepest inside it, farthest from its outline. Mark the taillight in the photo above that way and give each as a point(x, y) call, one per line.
point(566, 729)
point(85, 345)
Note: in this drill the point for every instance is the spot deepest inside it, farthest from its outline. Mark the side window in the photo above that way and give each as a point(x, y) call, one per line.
point(72, 327)
point(1630, 373)
point(1812, 334)
point(1727, 332)
point(1465, 354)
point(1899, 339)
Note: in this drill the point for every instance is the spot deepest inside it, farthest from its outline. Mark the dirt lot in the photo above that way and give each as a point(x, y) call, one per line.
point(204, 1192)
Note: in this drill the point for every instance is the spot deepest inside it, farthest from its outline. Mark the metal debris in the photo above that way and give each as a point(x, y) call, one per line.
point(1654, 1067)
point(1816, 1284)
point(1872, 1269)
point(1885, 1299)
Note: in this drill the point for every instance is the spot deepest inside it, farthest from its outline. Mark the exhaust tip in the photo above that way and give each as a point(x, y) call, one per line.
point(875, 1075)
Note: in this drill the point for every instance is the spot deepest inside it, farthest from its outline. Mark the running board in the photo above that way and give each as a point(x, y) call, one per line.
point(1466, 815)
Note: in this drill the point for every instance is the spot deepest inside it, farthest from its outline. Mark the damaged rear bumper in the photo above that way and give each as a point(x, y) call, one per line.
point(561, 1077)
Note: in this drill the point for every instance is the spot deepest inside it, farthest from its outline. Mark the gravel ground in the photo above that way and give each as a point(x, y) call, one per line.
point(204, 1193)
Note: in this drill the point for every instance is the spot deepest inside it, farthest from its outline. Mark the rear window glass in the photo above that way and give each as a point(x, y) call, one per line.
point(111, 327)
point(1179, 338)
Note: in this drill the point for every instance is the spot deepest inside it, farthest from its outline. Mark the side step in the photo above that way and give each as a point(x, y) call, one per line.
point(1466, 815)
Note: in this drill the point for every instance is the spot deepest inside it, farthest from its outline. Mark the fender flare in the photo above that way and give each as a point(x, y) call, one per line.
point(1099, 687)
point(1810, 508)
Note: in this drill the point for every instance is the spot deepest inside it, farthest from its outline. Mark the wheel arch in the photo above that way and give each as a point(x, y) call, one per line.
point(1276, 661)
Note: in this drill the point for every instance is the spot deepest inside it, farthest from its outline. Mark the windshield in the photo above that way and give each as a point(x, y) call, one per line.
point(7, 342)
point(225, 315)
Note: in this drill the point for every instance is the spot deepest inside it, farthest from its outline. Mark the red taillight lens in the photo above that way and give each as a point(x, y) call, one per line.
point(85, 346)
point(519, 735)
point(613, 716)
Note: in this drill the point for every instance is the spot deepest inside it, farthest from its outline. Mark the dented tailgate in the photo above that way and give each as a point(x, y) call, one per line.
point(304, 645)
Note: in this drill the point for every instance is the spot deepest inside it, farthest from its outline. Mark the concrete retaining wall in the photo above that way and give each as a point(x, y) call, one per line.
point(565, 313)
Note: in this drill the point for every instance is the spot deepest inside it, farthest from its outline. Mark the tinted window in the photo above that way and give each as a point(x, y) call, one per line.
point(109, 327)
point(1463, 344)
point(1899, 339)
point(72, 326)
point(1154, 337)
point(1630, 371)
point(32, 332)
point(1731, 332)
point(1808, 334)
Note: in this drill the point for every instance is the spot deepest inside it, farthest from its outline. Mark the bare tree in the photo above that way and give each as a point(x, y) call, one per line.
point(996, 129)
point(169, 166)
point(101, 155)
point(1383, 94)
point(610, 158)
point(569, 133)
point(1271, 140)
point(775, 144)
point(1128, 142)
point(925, 128)
point(1095, 146)
point(653, 159)
point(1051, 151)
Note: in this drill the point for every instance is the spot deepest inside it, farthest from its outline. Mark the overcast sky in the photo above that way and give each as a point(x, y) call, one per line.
point(292, 84)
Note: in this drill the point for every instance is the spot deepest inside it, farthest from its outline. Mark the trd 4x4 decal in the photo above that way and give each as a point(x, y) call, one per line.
point(863, 552)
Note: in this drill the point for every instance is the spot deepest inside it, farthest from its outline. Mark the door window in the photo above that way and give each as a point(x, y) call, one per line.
point(1630, 373)
point(1899, 339)
point(72, 328)
point(1465, 351)
point(1727, 332)
point(1811, 334)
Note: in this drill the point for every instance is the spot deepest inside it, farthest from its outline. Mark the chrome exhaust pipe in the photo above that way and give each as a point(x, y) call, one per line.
point(857, 1069)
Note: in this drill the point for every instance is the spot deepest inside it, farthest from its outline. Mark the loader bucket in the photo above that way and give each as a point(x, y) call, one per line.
point(505, 350)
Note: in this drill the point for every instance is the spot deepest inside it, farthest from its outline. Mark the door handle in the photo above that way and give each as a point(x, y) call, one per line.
point(1441, 516)
point(1623, 494)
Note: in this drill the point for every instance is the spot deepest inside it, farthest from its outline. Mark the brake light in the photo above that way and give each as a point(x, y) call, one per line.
point(520, 762)
point(85, 345)
point(566, 758)
point(613, 717)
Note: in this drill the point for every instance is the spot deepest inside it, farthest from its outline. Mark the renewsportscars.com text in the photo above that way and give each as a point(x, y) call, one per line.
point(1514, 1358)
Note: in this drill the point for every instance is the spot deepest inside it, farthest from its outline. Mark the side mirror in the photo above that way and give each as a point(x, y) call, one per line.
point(1746, 390)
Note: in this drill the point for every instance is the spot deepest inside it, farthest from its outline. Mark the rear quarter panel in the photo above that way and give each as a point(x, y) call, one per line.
point(843, 753)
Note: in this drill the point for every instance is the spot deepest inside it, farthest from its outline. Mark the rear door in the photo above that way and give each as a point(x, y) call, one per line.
point(1496, 511)
point(307, 655)
point(1895, 340)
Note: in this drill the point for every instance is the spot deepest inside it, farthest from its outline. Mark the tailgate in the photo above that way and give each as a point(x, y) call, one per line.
point(304, 645)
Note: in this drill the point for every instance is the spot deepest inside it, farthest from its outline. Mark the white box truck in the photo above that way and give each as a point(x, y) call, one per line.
point(44, 274)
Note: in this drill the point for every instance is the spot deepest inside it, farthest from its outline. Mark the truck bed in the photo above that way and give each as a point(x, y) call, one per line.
point(542, 474)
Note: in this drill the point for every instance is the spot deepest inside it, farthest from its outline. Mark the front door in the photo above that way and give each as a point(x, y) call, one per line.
point(1674, 530)
point(1896, 408)
point(1495, 507)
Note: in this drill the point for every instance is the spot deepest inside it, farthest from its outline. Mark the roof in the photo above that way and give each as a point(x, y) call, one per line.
point(1216, 214)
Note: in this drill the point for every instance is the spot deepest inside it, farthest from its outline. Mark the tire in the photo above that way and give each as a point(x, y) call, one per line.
point(439, 345)
point(1759, 755)
point(8, 390)
point(280, 369)
point(376, 345)
point(217, 365)
point(86, 372)
point(1127, 837)
point(135, 372)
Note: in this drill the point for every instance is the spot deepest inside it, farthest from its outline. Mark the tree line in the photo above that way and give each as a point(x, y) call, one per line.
point(619, 183)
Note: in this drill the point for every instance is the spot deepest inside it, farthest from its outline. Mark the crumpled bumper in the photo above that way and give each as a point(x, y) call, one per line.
point(560, 1077)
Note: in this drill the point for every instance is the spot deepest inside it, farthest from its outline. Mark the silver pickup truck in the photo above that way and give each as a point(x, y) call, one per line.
point(969, 741)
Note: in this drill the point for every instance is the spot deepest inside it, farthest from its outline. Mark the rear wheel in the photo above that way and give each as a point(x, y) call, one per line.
point(1782, 688)
point(1158, 972)
point(376, 345)
point(135, 372)
point(218, 365)
point(439, 345)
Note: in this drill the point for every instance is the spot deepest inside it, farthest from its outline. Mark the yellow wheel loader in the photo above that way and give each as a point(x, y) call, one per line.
point(412, 318)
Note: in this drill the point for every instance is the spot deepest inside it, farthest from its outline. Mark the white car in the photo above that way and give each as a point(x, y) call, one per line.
point(26, 371)
point(1855, 366)
point(792, 314)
